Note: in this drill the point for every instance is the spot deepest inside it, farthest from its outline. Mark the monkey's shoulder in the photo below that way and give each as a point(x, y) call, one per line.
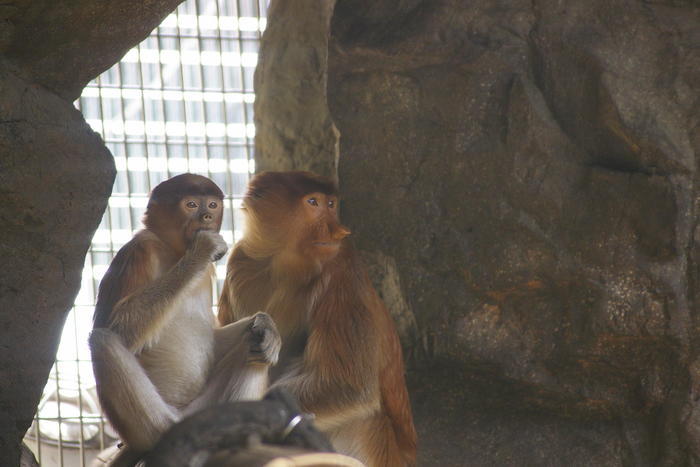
point(239, 255)
point(136, 264)
point(244, 267)
point(143, 257)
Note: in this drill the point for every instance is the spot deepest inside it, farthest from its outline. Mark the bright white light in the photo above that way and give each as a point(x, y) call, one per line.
point(154, 128)
point(196, 129)
point(187, 21)
point(249, 59)
point(86, 293)
point(173, 129)
point(210, 58)
point(98, 271)
point(177, 164)
point(228, 236)
point(118, 238)
point(208, 22)
point(131, 94)
point(217, 165)
point(134, 127)
point(239, 166)
point(211, 23)
point(216, 130)
point(170, 21)
point(174, 165)
point(96, 125)
point(198, 165)
point(248, 24)
point(239, 130)
point(168, 56)
point(191, 57)
point(172, 95)
point(132, 56)
point(157, 95)
point(137, 164)
point(130, 201)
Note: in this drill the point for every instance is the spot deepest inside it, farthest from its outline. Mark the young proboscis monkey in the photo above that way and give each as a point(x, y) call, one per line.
point(157, 352)
point(340, 353)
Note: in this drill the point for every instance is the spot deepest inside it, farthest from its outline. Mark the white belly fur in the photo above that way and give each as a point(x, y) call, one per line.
point(178, 361)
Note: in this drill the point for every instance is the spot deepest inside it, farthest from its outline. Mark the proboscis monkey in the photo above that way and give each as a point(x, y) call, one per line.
point(157, 352)
point(340, 353)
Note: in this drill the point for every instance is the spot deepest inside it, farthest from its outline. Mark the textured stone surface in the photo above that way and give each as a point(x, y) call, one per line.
point(522, 179)
point(290, 88)
point(536, 165)
point(55, 178)
point(63, 44)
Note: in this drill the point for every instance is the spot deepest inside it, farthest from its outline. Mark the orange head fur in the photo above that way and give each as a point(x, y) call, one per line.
point(293, 214)
point(181, 206)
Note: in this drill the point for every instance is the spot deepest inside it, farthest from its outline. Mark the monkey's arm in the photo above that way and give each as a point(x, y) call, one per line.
point(257, 333)
point(139, 297)
point(337, 377)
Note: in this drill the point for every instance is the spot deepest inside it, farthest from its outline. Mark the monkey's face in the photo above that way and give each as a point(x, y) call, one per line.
point(200, 213)
point(323, 232)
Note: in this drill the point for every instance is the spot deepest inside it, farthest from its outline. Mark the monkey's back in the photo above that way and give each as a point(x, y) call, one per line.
point(394, 395)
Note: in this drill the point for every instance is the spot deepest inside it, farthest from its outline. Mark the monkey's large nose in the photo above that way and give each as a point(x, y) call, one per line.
point(340, 232)
point(207, 217)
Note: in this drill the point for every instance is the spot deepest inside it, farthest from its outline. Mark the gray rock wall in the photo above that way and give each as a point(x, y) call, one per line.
point(531, 169)
point(55, 178)
point(293, 127)
point(521, 177)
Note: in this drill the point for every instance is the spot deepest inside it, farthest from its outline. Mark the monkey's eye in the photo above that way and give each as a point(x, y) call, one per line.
point(212, 205)
point(312, 201)
point(331, 204)
point(191, 204)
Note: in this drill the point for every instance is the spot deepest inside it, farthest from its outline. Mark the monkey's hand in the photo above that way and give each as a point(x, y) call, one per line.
point(209, 245)
point(265, 341)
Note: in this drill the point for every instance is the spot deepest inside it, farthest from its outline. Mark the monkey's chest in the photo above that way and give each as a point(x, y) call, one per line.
point(179, 363)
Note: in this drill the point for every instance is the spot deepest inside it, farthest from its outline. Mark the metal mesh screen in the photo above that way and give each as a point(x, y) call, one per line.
point(181, 101)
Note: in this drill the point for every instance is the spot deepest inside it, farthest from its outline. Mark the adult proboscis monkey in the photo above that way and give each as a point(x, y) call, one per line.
point(340, 353)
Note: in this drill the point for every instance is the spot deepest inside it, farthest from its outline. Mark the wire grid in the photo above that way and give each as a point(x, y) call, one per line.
point(181, 101)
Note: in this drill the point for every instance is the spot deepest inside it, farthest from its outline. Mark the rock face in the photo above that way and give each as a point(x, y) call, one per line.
point(55, 178)
point(296, 129)
point(522, 177)
point(63, 44)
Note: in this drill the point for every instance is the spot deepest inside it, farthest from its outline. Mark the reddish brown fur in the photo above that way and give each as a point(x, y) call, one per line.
point(131, 268)
point(341, 355)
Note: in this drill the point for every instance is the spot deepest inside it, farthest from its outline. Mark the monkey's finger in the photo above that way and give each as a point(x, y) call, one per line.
point(265, 340)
